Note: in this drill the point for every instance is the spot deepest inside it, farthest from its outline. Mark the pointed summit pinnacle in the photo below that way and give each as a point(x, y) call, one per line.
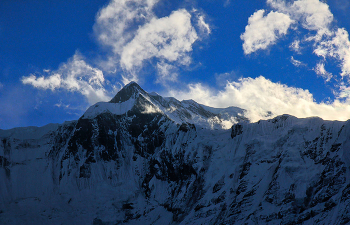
point(127, 92)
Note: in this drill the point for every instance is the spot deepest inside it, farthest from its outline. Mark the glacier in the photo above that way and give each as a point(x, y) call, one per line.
point(146, 159)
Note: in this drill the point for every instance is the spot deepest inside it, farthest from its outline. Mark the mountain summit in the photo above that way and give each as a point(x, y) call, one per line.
point(128, 91)
point(146, 159)
point(133, 98)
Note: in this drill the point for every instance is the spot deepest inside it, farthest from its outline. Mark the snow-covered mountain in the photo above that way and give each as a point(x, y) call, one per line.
point(145, 159)
point(187, 111)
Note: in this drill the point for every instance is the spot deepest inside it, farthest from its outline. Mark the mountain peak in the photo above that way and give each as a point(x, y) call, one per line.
point(127, 92)
point(131, 84)
point(133, 97)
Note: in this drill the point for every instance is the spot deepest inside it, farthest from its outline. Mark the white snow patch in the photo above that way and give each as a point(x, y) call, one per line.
point(114, 108)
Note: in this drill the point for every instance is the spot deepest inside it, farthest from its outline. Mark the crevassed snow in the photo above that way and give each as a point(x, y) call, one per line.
point(114, 108)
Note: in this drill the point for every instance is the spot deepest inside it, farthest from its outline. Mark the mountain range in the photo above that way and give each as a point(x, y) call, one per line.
point(146, 159)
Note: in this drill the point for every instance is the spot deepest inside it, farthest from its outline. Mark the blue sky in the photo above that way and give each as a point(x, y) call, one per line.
point(57, 58)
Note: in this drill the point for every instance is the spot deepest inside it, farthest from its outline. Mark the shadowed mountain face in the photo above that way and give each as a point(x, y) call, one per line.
point(145, 159)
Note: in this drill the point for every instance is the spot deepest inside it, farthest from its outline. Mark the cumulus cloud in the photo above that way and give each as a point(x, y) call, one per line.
point(314, 17)
point(168, 38)
point(260, 96)
point(311, 14)
point(137, 35)
point(75, 76)
point(116, 23)
point(263, 31)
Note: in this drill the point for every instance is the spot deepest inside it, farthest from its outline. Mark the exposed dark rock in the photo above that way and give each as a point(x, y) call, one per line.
point(236, 130)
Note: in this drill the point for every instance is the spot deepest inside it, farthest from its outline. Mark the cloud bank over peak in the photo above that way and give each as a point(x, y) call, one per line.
point(264, 99)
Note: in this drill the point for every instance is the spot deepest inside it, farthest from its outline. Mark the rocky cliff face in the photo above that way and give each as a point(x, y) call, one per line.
point(145, 159)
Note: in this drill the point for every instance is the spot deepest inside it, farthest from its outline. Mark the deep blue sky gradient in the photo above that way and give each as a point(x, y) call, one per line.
point(38, 35)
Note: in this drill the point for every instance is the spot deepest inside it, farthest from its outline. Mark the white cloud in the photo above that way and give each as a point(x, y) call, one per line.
point(137, 35)
point(167, 38)
point(311, 14)
point(116, 23)
point(260, 96)
point(263, 31)
point(315, 17)
point(337, 46)
point(344, 92)
point(166, 72)
point(52, 82)
point(295, 46)
point(204, 27)
point(75, 76)
point(321, 71)
point(296, 62)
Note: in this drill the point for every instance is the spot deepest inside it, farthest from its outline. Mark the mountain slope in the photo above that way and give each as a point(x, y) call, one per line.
point(145, 159)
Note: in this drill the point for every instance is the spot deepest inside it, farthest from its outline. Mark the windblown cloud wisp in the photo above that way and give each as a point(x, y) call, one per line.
point(76, 76)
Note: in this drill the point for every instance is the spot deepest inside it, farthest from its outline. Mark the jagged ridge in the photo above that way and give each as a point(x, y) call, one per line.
point(132, 96)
